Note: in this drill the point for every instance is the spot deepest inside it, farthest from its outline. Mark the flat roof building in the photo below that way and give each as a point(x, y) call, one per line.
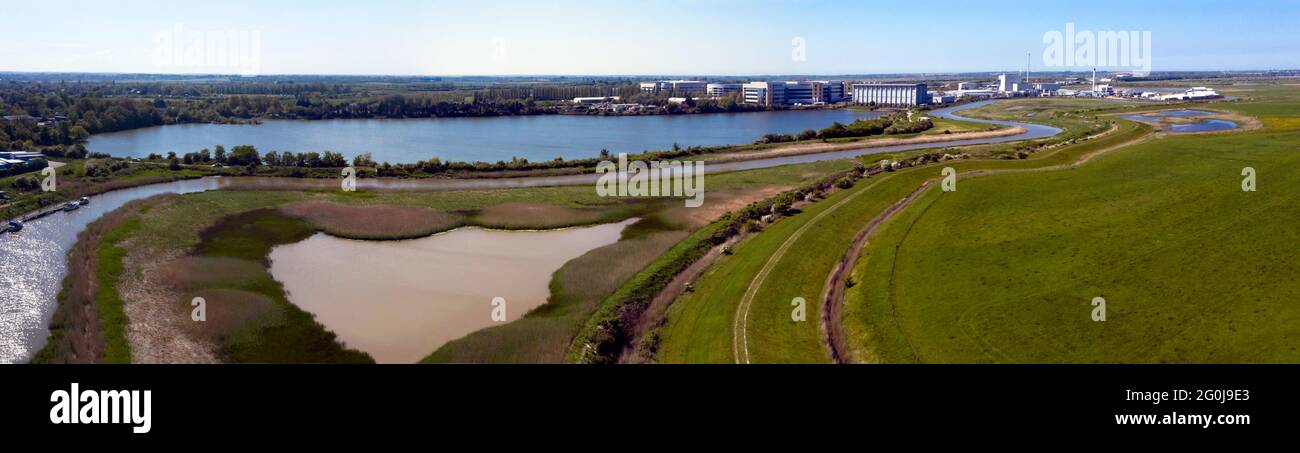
point(674, 86)
point(718, 90)
point(595, 100)
point(801, 92)
point(1047, 86)
point(1007, 83)
point(21, 155)
point(891, 94)
point(764, 93)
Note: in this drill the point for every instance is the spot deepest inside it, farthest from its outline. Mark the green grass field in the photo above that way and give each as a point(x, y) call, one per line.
point(701, 325)
point(1193, 269)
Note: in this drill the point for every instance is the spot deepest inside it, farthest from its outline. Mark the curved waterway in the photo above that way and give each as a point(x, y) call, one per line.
point(401, 300)
point(33, 262)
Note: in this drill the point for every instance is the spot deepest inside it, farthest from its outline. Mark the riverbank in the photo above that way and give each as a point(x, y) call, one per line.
point(89, 324)
point(177, 262)
point(797, 149)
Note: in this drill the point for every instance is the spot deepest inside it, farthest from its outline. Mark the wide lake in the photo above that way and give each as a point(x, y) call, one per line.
point(537, 138)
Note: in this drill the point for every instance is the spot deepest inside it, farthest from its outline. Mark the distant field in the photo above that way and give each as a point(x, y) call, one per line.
point(1193, 269)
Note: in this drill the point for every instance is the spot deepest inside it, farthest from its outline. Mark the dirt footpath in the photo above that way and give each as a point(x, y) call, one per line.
point(814, 148)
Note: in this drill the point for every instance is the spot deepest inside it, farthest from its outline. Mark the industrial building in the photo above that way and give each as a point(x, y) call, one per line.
point(891, 94)
point(940, 98)
point(1047, 87)
point(595, 100)
point(1013, 83)
point(1190, 94)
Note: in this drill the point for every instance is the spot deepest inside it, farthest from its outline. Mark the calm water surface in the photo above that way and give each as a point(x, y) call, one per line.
point(537, 138)
point(401, 300)
point(33, 262)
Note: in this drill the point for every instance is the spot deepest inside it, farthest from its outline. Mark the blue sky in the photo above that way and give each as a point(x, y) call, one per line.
point(714, 37)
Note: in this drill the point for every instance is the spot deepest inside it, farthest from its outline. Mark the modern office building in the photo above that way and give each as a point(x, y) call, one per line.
point(718, 90)
point(674, 86)
point(803, 92)
point(764, 93)
point(891, 94)
point(832, 91)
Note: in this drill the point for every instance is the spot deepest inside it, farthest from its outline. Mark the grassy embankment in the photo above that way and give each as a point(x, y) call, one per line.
point(1193, 269)
point(584, 284)
point(71, 182)
point(700, 324)
point(88, 325)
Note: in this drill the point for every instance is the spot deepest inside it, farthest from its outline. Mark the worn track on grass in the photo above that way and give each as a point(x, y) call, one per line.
point(835, 283)
point(833, 296)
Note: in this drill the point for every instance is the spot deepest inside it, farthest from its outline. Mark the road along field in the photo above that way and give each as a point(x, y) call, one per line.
point(1192, 268)
point(741, 309)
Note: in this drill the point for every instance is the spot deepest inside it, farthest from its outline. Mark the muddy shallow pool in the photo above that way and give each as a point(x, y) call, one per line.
point(401, 300)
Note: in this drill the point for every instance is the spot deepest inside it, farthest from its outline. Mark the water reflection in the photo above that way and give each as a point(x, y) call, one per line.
point(34, 261)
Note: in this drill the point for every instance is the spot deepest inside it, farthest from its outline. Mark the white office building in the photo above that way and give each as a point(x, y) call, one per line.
point(764, 93)
point(802, 92)
point(674, 86)
point(891, 94)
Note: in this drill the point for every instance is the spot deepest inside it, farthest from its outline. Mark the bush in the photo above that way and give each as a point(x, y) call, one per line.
point(27, 183)
point(776, 138)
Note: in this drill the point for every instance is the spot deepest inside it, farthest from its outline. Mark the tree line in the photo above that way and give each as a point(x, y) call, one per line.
point(892, 124)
